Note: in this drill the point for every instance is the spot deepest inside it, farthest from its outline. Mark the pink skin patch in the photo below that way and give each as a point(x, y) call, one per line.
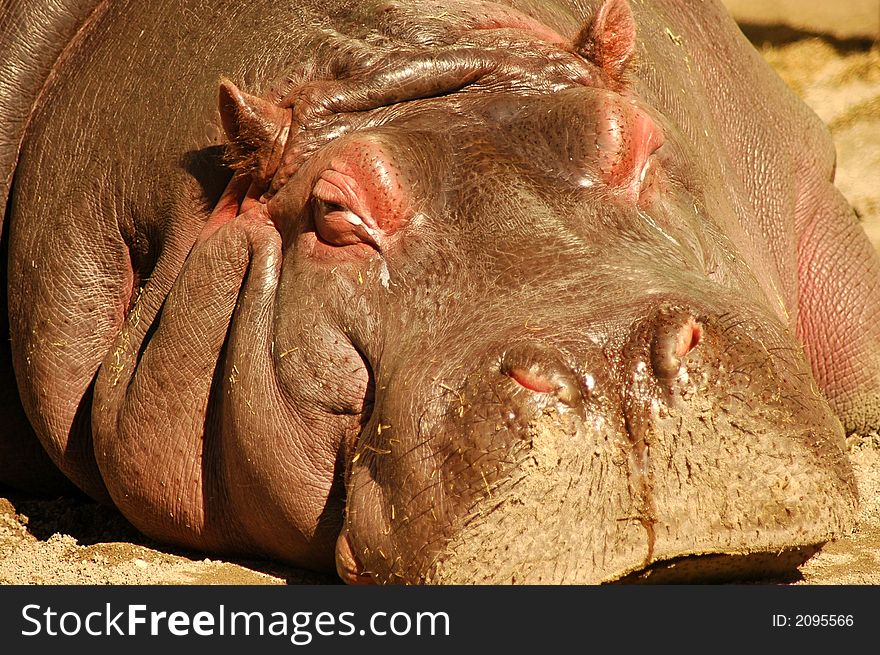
point(499, 17)
point(563, 388)
point(483, 15)
point(669, 349)
point(241, 196)
point(532, 381)
point(227, 207)
point(689, 336)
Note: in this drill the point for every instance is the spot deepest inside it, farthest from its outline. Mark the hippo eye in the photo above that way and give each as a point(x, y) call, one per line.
point(338, 224)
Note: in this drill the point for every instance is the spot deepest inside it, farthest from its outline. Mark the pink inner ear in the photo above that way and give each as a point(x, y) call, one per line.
point(612, 37)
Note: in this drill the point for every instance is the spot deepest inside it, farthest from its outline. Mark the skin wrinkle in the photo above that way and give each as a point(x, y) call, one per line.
point(175, 362)
point(272, 394)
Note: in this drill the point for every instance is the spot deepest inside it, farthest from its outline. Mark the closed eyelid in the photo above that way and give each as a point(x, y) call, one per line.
point(337, 225)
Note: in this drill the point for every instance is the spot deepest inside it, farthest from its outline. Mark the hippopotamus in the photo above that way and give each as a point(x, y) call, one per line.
point(431, 291)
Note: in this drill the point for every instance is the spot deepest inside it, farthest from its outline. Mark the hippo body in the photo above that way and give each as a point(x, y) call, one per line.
point(438, 291)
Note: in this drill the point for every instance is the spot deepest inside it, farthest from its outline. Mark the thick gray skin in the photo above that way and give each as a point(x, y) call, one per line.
point(367, 408)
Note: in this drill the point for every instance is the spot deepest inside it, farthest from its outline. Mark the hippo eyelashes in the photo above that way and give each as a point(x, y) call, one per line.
point(358, 197)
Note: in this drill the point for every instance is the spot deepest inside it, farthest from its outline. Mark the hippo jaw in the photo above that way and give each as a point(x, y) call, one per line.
point(546, 529)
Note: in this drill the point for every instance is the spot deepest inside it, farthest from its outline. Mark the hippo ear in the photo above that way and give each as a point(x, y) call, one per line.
point(609, 40)
point(256, 129)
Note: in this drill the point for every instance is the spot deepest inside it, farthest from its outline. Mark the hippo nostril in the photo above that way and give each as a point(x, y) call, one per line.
point(672, 343)
point(688, 337)
point(531, 371)
point(532, 380)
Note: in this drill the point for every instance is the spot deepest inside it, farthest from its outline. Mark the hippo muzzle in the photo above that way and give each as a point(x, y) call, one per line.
point(692, 446)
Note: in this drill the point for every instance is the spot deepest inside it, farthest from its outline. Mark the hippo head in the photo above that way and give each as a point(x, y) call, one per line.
point(516, 313)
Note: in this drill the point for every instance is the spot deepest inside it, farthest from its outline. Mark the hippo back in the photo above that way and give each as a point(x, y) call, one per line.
point(35, 38)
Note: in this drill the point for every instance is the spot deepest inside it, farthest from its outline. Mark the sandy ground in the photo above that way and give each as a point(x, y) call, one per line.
point(71, 541)
point(842, 19)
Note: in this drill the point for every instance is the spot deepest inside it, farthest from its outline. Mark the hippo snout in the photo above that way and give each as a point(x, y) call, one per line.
point(662, 452)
